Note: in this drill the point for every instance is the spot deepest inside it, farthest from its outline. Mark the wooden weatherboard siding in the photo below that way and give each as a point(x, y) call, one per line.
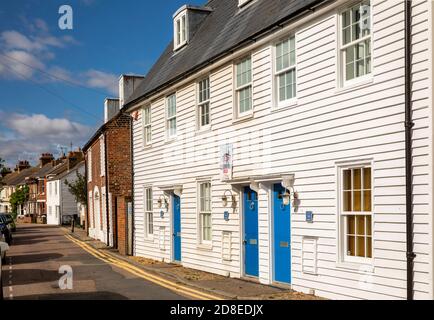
point(326, 126)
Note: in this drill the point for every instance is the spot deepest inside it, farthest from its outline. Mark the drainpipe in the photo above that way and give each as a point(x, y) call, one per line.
point(409, 124)
point(107, 192)
point(132, 188)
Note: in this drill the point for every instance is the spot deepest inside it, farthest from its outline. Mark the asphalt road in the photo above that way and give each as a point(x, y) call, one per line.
point(37, 254)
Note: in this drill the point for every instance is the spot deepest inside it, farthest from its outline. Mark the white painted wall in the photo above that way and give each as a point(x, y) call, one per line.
point(53, 201)
point(326, 125)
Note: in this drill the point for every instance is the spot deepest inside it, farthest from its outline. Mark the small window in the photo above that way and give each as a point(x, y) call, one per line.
point(55, 188)
point(147, 129)
point(356, 212)
point(171, 116)
point(180, 31)
point(286, 70)
point(203, 111)
point(89, 165)
point(243, 87)
point(102, 155)
point(356, 55)
point(205, 211)
point(149, 214)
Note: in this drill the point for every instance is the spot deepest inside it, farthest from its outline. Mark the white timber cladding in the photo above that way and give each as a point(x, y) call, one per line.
point(331, 124)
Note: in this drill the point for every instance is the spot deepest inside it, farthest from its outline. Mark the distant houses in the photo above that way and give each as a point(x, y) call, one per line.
point(44, 182)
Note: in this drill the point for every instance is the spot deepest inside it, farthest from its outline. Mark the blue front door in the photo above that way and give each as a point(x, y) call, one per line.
point(176, 228)
point(282, 236)
point(251, 252)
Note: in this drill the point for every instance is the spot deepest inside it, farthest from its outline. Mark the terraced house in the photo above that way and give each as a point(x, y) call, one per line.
point(290, 142)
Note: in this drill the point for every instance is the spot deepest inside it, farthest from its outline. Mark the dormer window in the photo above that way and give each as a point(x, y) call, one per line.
point(180, 29)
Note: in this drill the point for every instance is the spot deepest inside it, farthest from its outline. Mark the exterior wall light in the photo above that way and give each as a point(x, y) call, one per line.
point(226, 199)
point(163, 202)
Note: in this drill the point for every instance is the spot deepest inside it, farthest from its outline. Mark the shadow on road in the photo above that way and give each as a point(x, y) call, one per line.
point(105, 295)
point(32, 276)
point(33, 258)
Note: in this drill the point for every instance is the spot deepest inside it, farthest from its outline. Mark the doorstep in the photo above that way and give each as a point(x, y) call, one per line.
point(228, 288)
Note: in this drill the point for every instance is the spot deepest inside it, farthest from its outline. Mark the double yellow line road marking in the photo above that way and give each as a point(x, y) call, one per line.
point(173, 286)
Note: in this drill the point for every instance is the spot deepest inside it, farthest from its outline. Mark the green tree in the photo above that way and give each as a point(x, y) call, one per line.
point(3, 169)
point(78, 188)
point(19, 197)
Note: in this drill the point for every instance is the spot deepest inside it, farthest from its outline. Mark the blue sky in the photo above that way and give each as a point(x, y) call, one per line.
point(39, 113)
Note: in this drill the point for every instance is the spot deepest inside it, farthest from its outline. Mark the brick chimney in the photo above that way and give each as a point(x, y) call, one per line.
point(22, 165)
point(45, 159)
point(127, 85)
point(73, 158)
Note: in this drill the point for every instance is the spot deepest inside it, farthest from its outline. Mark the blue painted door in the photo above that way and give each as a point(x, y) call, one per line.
point(176, 228)
point(282, 236)
point(251, 251)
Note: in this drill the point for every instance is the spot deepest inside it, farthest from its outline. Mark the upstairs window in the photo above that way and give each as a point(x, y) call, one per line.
point(89, 165)
point(243, 87)
point(203, 111)
point(180, 32)
point(356, 55)
point(171, 116)
point(286, 70)
point(102, 155)
point(147, 130)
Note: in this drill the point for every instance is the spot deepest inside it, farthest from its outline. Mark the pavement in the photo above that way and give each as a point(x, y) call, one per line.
point(215, 285)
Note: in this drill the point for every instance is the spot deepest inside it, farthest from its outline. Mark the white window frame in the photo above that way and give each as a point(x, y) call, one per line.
point(102, 155)
point(89, 165)
point(276, 83)
point(148, 212)
point(201, 213)
point(199, 125)
point(342, 230)
point(181, 18)
point(173, 117)
point(147, 127)
point(55, 188)
point(341, 47)
point(237, 89)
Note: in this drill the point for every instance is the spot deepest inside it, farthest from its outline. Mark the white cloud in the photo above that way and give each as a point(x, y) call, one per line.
point(23, 55)
point(28, 136)
point(102, 80)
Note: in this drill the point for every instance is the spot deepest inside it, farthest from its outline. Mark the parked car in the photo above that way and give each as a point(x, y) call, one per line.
point(10, 221)
point(5, 232)
point(3, 248)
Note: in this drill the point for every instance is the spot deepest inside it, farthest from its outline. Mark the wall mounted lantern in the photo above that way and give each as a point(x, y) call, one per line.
point(228, 196)
point(163, 202)
point(290, 193)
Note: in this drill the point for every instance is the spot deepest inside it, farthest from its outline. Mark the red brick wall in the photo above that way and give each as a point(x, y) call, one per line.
point(118, 137)
point(119, 173)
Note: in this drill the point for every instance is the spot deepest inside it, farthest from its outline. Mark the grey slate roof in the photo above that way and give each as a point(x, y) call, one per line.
point(224, 29)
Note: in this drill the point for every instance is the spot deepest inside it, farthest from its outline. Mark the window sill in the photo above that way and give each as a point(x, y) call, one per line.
point(170, 140)
point(356, 266)
point(285, 105)
point(148, 239)
point(147, 146)
point(357, 84)
point(203, 130)
point(243, 119)
point(204, 246)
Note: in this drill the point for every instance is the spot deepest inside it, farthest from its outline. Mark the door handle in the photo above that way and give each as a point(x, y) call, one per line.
point(244, 242)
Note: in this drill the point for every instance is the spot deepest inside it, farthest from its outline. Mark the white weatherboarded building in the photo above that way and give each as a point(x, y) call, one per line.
point(61, 203)
point(305, 107)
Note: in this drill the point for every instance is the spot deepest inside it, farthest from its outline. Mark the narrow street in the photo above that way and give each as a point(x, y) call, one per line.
point(38, 252)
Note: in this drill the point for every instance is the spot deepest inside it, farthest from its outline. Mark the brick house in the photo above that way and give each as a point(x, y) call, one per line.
point(108, 174)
